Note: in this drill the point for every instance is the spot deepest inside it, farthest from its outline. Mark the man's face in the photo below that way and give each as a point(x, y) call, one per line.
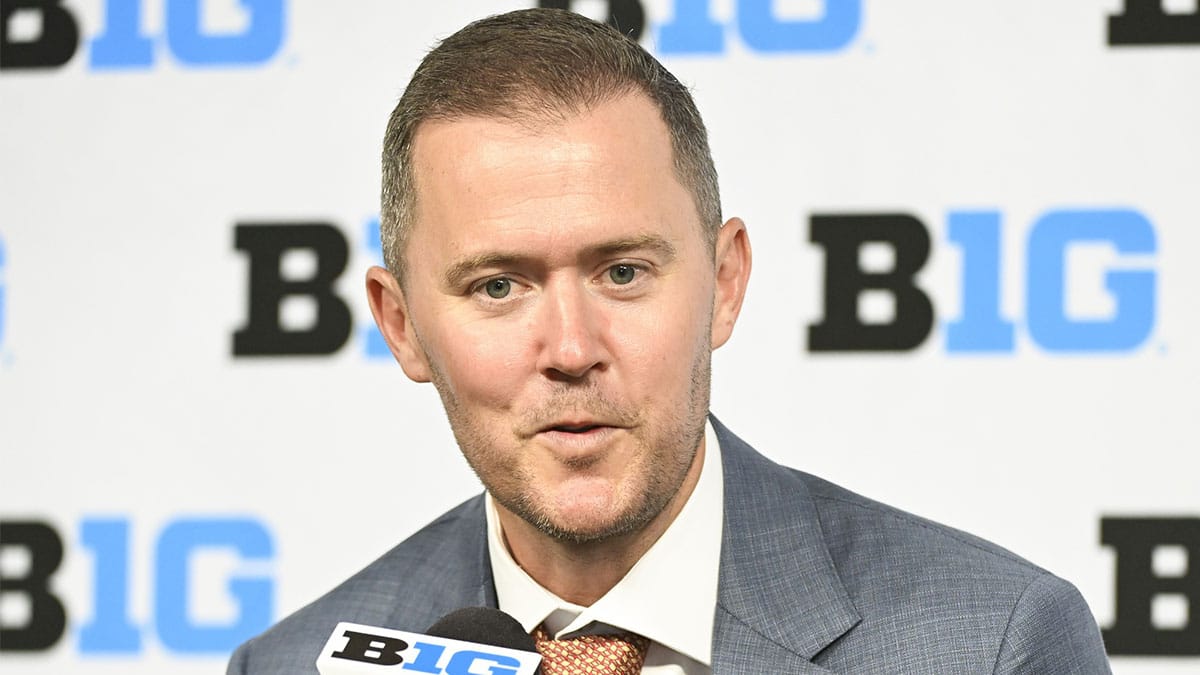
point(560, 294)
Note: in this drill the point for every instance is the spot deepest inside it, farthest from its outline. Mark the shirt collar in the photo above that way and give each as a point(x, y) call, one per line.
point(669, 596)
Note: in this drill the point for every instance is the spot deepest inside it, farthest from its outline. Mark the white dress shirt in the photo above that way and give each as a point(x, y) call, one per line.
point(669, 596)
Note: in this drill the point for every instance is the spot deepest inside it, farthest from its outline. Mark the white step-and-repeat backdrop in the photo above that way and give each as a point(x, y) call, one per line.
point(976, 227)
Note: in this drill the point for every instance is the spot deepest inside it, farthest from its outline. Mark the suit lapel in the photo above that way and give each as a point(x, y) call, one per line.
point(780, 600)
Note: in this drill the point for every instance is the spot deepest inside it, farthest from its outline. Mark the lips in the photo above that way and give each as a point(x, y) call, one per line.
point(579, 422)
point(578, 431)
point(574, 428)
point(577, 438)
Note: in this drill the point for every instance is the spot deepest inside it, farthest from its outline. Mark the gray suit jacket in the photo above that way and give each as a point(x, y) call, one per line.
point(813, 579)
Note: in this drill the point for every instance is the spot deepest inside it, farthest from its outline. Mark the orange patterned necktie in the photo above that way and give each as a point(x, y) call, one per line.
point(620, 654)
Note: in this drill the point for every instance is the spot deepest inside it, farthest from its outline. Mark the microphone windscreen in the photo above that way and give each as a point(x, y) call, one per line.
point(483, 625)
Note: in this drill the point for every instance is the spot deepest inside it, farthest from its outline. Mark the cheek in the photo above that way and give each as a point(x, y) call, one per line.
point(660, 344)
point(482, 361)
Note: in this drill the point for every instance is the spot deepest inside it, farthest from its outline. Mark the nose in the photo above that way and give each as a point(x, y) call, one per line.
point(571, 327)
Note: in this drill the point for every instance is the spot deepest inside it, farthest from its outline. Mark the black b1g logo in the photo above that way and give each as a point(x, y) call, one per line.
point(1148, 22)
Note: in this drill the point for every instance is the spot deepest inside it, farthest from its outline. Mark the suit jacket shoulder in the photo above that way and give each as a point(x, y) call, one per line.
point(442, 567)
point(934, 587)
point(847, 584)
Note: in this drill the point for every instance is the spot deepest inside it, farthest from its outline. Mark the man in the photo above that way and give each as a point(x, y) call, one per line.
point(559, 269)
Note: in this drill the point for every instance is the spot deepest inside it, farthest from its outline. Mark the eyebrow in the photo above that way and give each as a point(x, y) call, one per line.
point(462, 269)
point(641, 242)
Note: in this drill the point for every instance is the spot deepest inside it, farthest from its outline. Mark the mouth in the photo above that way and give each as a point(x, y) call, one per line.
point(574, 428)
point(578, 437)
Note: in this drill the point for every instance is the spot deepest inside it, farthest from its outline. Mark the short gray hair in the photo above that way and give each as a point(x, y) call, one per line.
point(536, 64)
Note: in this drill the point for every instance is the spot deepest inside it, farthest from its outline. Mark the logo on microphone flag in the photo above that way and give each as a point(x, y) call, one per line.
point(355, 649)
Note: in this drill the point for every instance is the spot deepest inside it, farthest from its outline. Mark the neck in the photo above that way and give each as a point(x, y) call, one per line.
point(581, 573)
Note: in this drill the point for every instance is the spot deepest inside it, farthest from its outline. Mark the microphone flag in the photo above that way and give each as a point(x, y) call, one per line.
point(357, 649)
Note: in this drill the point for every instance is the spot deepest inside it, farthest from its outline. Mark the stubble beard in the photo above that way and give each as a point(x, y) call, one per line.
point(668, 453)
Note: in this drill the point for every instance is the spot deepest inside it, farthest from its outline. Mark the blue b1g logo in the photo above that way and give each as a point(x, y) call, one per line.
point(124, 44)
point(829, 26)
point(175, 571)
point(1129, 285)
point(692, 30)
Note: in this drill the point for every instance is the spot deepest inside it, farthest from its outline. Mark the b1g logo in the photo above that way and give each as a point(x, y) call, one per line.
point(43, 34)
point(187, 553)
point(981, 327)
point(1154, 22)
point(357, 648)
point(693, 30)
point(294, 310)
point(1157, 585)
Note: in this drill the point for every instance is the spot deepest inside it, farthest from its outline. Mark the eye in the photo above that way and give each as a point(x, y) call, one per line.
point(622, 274)
point(498, 288)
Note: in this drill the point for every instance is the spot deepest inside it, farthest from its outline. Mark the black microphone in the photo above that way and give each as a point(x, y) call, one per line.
point(483, 625)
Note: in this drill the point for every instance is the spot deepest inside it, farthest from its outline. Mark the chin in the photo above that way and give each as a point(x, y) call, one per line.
point(588, 532)
point(584, 519)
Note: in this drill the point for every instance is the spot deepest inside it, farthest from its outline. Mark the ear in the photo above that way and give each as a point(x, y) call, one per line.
point(391, 315)
point(732, 274)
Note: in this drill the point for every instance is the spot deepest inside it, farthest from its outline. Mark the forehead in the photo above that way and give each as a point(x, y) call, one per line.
point(607, 172)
